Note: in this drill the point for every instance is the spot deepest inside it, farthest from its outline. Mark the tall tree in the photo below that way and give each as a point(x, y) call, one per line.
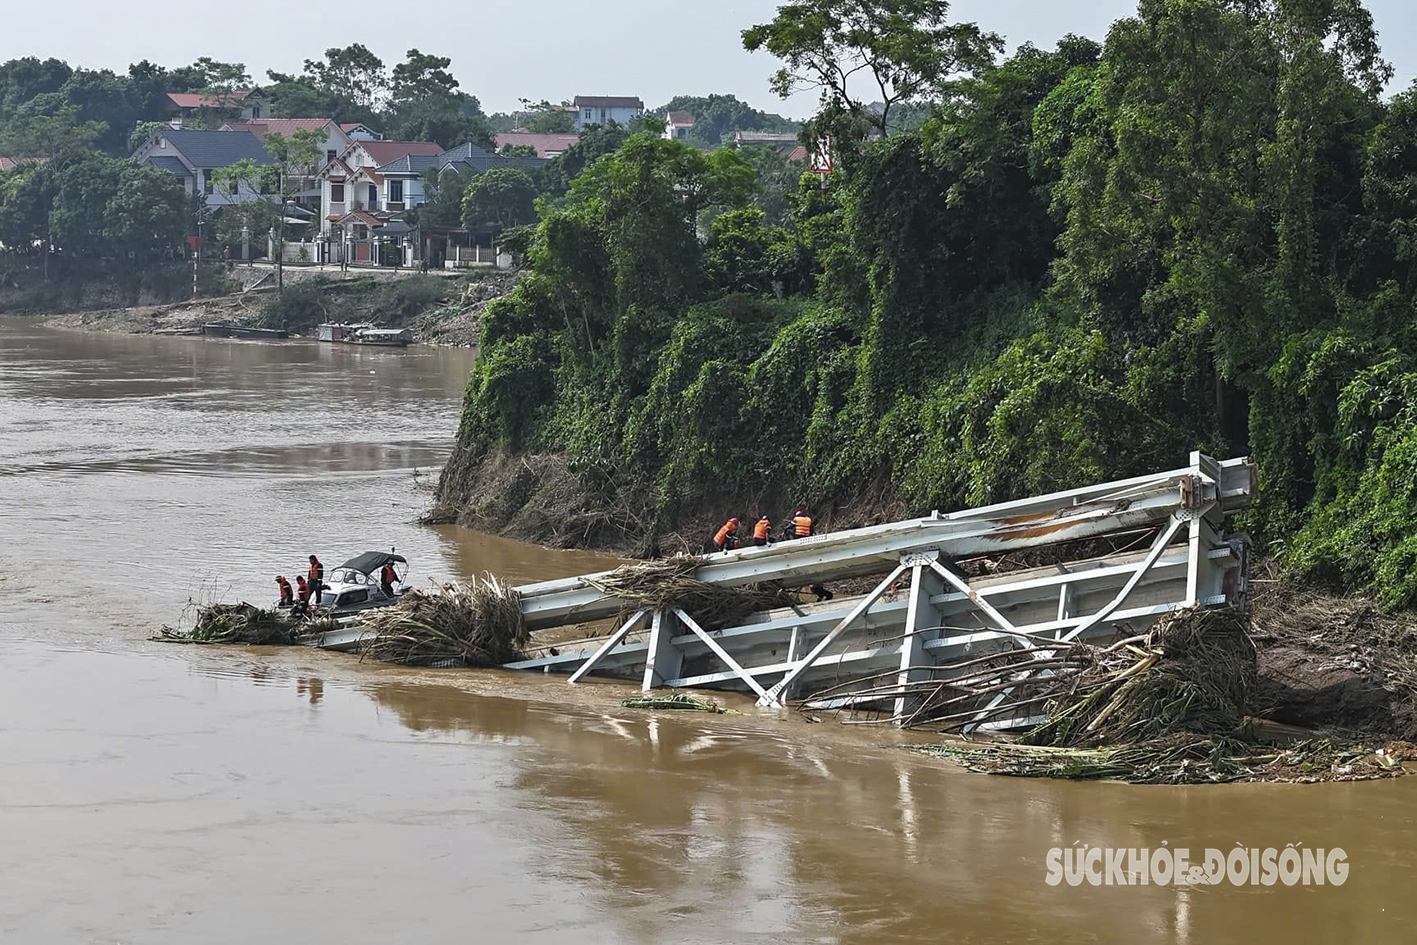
point(352, 72)
point(855, 52)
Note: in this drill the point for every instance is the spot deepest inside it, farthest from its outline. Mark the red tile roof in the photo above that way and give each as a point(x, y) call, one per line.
point(554, 143)
point(281, 126)
point(798, 153)
point(361, 216)
point(6, 163)
point(201, 99)
point(385, 152)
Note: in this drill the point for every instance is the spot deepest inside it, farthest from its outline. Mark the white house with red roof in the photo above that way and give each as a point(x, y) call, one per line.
point(545, 146)
point(677, 125)
point(351, 182)
point(245, 104)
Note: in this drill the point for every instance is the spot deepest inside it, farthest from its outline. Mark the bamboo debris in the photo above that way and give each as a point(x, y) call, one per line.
point(666, 584)
point(243, 623)
point(475, 624)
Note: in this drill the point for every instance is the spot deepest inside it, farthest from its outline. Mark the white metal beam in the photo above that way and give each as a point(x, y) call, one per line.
point(607, 646)
point(722, 654)
point(776, 693)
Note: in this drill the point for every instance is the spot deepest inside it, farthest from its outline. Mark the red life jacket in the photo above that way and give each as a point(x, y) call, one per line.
point(388, 574)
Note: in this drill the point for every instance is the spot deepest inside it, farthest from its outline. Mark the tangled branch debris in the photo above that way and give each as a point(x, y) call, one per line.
point(476, 624)
point(678, 700)
point(244, 623)
point(1169, 708)
point(656, 585)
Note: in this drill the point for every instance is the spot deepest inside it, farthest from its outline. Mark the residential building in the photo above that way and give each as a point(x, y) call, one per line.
point(603, 109)
point(351, 181)
point(783, 141)
point(239, 104)
point(194, 156)
point(370, 227)
point(546, 146)
point(360, 132)
point(677, 125)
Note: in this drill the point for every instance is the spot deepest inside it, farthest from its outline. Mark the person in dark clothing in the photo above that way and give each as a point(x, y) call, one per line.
point(387, 576)
point(820, 592)
point(302, 590)
point(316, 579)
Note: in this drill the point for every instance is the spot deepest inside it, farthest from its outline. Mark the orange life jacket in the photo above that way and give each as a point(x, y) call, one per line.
point(760, 530)
point(721, 536)
point(304, 591)
point(285, 592)
point(317, 570)
point(801, 526)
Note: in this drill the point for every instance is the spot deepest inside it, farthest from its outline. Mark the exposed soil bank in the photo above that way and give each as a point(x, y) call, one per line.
point(439, 308)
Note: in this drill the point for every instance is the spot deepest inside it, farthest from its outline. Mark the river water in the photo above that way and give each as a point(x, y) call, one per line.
point(159, 793)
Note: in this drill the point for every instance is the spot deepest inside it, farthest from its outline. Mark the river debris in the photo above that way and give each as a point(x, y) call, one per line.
point(474, 624)
point(244, 623)
point(670, 583)
point(1169, 708)
point(1182, 759)
point(678, 700)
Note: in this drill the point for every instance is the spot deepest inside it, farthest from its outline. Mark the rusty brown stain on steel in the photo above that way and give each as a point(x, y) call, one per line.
point(1035, 531)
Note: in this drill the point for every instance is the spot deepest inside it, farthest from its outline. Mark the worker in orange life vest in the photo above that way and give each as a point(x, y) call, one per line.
point(317, 578)
point(726, 537)
point(801, 525)
point(387, 577)
point(760, 530)
point(287, 596)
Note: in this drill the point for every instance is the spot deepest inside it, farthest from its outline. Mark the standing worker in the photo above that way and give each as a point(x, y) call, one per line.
point(801, 525)
point(387, 576)
point(726, 537)
point(760, 531)
point(317, 579)
point(287, 596)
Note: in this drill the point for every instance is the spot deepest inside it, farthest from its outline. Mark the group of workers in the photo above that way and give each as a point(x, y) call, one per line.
point(799, 526)
point(308, 586)
point(307, 589)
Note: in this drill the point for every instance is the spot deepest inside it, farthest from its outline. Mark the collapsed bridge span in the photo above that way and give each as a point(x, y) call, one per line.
point(1099, 563)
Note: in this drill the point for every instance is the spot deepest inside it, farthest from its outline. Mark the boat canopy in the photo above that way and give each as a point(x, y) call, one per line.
point(371, 561)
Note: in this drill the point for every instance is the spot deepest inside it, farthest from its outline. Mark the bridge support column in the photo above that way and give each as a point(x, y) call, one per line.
point(664, 660)
point(920, 616)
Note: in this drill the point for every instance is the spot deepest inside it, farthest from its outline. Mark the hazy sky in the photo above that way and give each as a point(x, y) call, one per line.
point(535, 49)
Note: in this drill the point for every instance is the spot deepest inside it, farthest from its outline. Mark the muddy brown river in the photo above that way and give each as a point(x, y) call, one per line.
point(152, 793)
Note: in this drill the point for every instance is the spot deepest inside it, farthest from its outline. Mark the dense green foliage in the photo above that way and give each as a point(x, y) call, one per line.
point(717, 117)
point(1087, 263)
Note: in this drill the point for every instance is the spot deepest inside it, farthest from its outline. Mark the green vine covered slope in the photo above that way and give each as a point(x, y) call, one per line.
point(1200, 234)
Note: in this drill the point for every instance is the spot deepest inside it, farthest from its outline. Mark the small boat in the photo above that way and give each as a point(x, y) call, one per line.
point(365, 335)
point(224, 330)
point(354, 585)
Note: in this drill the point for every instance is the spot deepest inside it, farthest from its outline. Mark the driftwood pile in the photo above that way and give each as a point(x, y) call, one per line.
point(670, 583)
